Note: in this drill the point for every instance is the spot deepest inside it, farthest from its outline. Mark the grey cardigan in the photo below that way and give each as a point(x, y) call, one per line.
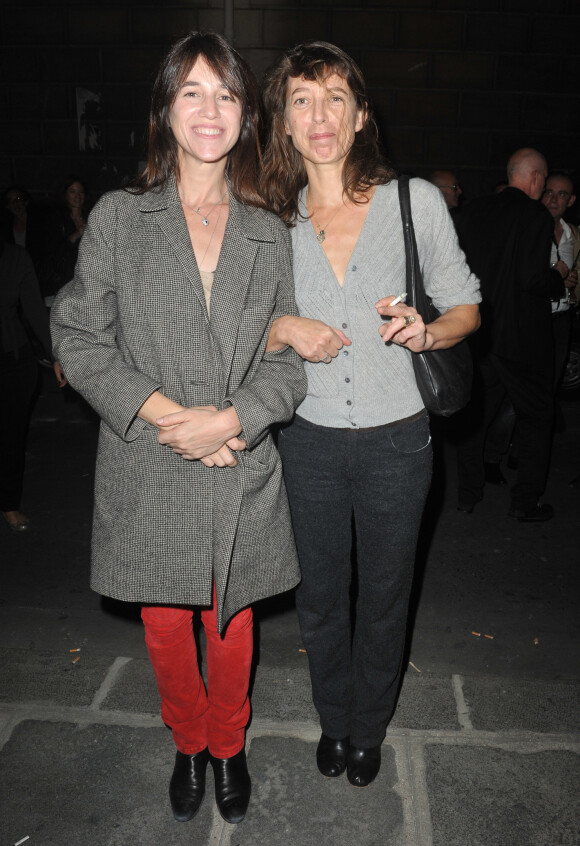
point(134, 320)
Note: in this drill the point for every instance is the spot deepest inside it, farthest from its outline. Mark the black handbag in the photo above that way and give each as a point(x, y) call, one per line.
point(443, 376)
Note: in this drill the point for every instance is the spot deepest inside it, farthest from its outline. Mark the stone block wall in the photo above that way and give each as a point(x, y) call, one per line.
point(455, 83)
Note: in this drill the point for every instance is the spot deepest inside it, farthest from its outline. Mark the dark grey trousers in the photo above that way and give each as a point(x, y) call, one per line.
point(381, 476)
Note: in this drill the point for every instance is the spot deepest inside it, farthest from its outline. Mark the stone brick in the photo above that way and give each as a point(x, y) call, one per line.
point(131, 64)
point(20, 137)
point(461, 5)
point(260, 60)
point(44, 101)
point(141, 100)
point(405, 147)
point(151, 26)
point(525, 73)
point(426, 108)
point(213, 19)
point(23, 25)
point(462, 71)
point(407, 4)
point(285, 28)
point(426, 30)
point(447, 148)
point(98, 24)
point(493, 33)
point(396, 69)
point(504, 144)
point(488, 110)
point(79, 65)
point(552, 112)
point(19, 64)
point(61, 135)
point(555, 35)
point(553, 6)
point(363, 29)
point(126, 138)
point(248, 28)
point(382, 103)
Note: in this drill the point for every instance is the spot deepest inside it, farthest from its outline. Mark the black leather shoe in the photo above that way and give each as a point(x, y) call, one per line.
point(331, 756)
point(362, 765)
point(536, 514)
point(232, 786)
point(187, 785)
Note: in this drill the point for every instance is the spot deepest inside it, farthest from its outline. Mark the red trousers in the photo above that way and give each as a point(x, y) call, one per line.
point(216, 718)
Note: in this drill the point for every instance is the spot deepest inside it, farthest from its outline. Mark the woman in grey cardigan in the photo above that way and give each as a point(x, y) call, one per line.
point(163, 330)
point(360, 442)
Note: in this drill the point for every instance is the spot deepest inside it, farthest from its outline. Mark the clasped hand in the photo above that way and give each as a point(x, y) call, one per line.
point(203, 433)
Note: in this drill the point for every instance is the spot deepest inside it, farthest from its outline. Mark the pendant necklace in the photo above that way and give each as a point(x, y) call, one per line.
point(204, 218)
point(322, 229)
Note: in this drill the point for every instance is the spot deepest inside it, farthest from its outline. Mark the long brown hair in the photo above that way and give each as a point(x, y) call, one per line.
point(244, 159)
point(284, 171)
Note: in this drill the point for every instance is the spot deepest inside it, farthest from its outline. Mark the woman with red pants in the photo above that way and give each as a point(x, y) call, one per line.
point(163, 330)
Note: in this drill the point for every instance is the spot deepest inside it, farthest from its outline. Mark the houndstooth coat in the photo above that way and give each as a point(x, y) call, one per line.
point(134, 320)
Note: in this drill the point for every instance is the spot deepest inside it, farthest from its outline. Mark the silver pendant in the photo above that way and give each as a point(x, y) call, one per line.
point(321, 236)
point(205, 221)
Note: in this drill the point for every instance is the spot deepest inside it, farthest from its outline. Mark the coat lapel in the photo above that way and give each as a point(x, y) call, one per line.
point(164, 209)
point(244, 232)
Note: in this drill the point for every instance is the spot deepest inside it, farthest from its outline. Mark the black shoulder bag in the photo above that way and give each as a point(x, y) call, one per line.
point(443, 376)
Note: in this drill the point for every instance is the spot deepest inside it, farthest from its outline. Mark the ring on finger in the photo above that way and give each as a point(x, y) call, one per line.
point(409, 318)
point(326, 358)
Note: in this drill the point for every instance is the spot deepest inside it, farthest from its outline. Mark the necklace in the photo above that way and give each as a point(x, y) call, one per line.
point(322, 229)
point(217, 220)
point(204, 218)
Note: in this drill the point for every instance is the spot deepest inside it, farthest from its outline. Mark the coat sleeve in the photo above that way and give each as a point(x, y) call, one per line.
point(85, 328)
point(536, 276)
point(279, 383)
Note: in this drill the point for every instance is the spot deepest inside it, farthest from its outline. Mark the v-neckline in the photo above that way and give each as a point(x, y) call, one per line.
point(319, 245)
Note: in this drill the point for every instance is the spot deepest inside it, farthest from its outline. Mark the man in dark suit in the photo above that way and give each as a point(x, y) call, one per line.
point(507, 240)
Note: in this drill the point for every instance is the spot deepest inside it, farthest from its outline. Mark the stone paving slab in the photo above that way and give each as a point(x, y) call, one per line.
point(35, 676)
point(293, 805)
point(426, 702)
point(283, 693)
point(96, 785)
point(499, 705)
point(492, 797)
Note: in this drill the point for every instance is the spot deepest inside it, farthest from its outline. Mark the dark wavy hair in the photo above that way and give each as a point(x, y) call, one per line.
point(284, 171)
point(242, 167)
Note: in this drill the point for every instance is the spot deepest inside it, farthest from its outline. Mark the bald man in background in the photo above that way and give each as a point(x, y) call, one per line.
point(447, 183)
point(507, 239)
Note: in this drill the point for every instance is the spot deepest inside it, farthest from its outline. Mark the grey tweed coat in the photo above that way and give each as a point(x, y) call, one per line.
point(134, 320)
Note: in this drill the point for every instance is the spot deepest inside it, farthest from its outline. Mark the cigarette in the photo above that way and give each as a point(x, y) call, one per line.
point(490, 637)
point(536, 641)
point(78, 658)
point(301, 650)
point(398, 299)
point(24, 839)
point(414, 667)
point(74, 650)
point(477, 634)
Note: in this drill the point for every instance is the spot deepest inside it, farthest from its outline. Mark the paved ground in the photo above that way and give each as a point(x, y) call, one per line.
point(484, 747)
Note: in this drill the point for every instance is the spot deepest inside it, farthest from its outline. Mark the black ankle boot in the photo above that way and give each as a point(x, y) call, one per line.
point(232, 786)
point(362, 765)
point(331, 756)
point(187, 785)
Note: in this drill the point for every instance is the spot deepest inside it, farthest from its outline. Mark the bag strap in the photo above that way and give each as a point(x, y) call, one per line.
point(413, 271)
